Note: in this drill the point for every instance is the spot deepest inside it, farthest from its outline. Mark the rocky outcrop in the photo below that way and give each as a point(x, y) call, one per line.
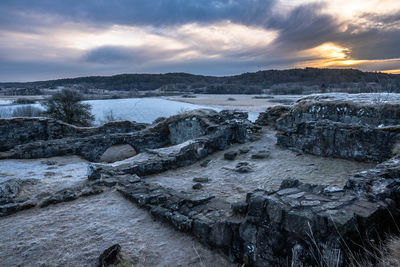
point(271, 115)
point(347, 126)
point(162, 159)
point(9, 189)
point(10, 200)
point(381, 182)
point(109, 256)
point(70, 194)
point(334, 139)
point(312, 220)
point(48, 138)
point(14, 131)
point(90, 148)
point(300, 223)
point(183, 130)
point(364, 109)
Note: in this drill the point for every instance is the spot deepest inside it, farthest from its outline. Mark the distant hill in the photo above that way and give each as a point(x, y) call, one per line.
point(270, 81)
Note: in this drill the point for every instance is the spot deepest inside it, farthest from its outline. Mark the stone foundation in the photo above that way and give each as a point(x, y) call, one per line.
point(345, 126)
point(27, 138)
point(271, 227)
point(333, 139)
point(302, 223)
point(271, 115)
point(18, 131)
point(162, 159)
point(364, 109)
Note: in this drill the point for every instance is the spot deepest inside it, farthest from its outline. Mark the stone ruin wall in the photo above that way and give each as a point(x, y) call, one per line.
point(18, 131)
point(363, 109)
point(333, 126)
point(306, 223)
point(301, 222)
point(26, 138)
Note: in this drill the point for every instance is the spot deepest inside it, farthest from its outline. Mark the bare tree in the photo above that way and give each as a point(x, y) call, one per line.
point(66, 105)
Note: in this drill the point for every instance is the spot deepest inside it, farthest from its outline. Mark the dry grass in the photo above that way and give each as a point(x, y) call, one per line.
point(382, 254)
point(391, 251)
point(370, 253)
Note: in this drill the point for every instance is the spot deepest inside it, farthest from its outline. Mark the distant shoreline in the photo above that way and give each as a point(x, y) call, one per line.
point(248, 103)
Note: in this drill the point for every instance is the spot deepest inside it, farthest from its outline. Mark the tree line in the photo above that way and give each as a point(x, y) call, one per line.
point(246, 83)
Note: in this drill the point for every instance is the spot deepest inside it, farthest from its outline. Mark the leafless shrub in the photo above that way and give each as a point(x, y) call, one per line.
point(108, 116)
point(27, 111)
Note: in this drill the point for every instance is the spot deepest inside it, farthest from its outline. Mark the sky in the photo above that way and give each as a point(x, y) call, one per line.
point(50, 39)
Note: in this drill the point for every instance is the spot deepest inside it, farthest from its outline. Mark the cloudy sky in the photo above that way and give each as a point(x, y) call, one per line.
point(47, 39)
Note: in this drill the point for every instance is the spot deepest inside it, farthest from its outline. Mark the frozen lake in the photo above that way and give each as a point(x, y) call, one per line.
point(144, 110)
point(138, 109)
point(5, 102)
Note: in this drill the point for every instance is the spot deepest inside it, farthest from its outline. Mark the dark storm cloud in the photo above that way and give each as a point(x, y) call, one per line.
point(376, 37)
point(137, 12)
point(386, 19)
point(370, 36)
point(305, 27)
point(372, 44)
point(120, 54)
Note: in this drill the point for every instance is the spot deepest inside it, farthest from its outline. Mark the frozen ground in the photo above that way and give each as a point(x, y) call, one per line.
point(51, 174)
point(76, 233)
point(269, 172)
